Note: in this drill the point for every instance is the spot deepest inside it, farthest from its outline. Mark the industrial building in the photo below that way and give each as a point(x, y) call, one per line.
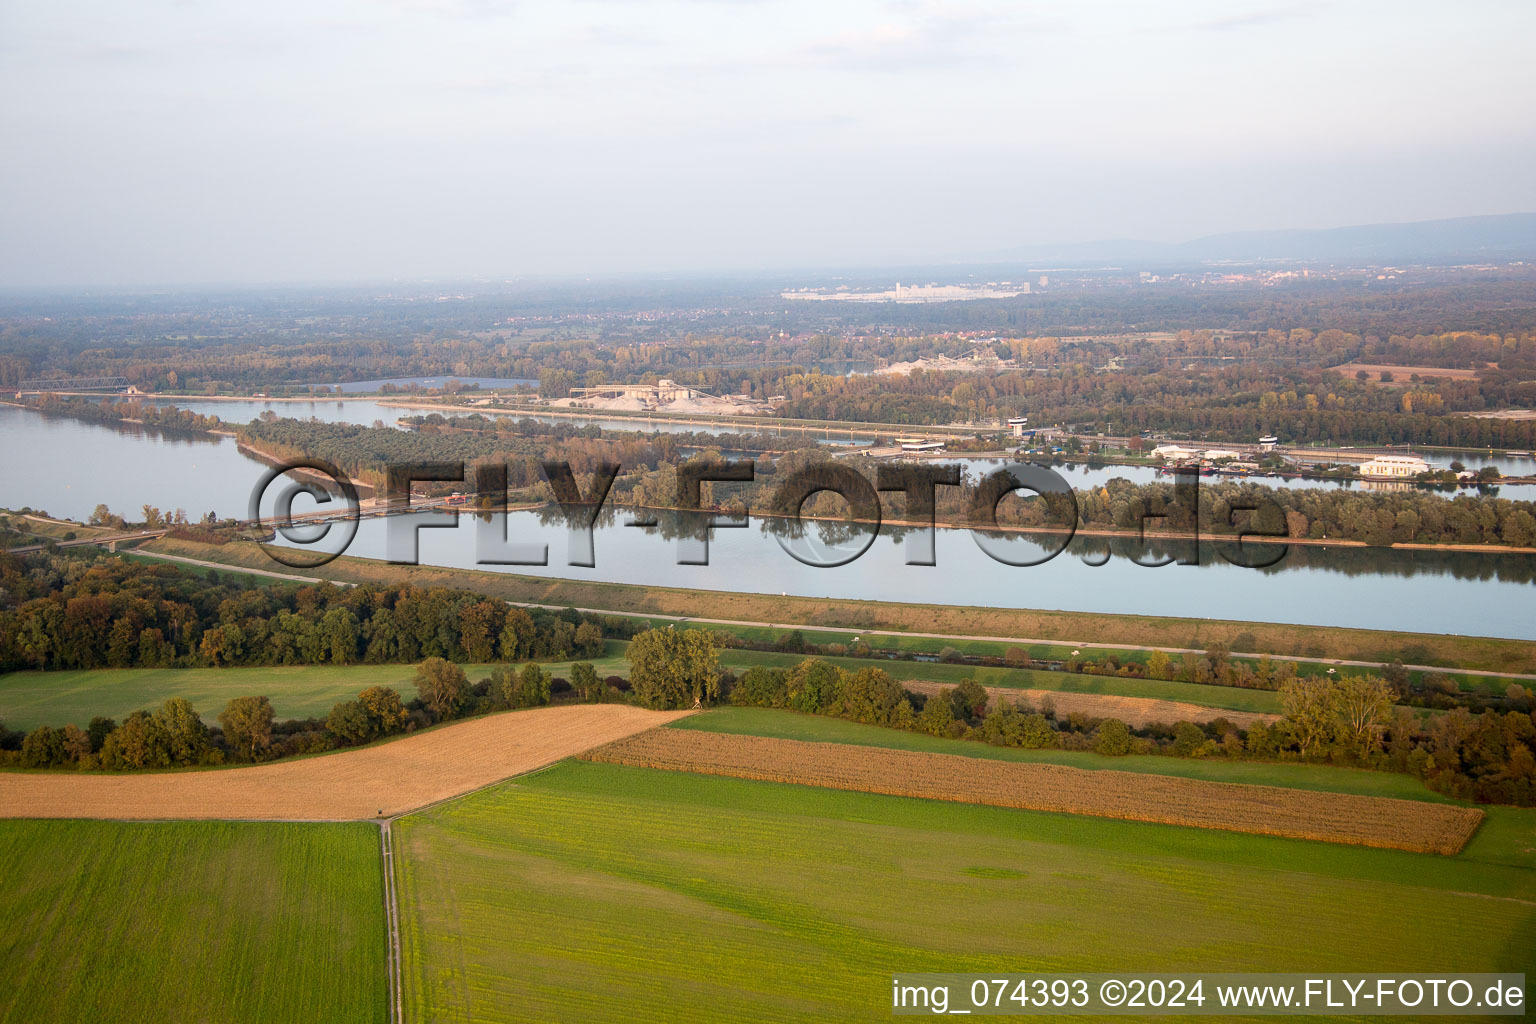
point(1393, 467)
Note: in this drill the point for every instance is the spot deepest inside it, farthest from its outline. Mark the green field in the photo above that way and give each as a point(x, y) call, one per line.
point(190, 922)
point(1229, 697)
point(598, 892)
point(30, 699)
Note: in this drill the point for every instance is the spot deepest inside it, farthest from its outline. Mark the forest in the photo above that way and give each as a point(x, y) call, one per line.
point(73, 610)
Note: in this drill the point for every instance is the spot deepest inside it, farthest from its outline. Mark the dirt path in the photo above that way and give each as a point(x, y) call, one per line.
point(375, 782)
point(392, 925)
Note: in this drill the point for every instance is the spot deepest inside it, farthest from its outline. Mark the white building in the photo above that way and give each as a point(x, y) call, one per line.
point(1221, 454)
point(1016, 425)
point(1392, 467)
point(1173, 453)
point(1268, 442)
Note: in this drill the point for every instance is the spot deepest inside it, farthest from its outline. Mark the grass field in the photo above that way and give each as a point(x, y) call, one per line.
point(190, 922)
point(1507, 836)
point(640, 895)
point(30, 699)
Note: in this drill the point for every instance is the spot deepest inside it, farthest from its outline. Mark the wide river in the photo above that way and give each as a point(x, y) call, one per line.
point(67, 467)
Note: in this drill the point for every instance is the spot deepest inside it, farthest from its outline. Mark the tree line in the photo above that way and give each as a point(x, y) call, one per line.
point(76, 611)
point(247, 730)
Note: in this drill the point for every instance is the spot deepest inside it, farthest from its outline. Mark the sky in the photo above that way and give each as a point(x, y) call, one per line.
point(342, 140)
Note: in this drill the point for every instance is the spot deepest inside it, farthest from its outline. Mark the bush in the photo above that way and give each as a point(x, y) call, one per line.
point(761, 687)
point(1113, 738)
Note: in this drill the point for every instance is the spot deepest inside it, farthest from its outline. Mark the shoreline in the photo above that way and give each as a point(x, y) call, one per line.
point(1314, 643)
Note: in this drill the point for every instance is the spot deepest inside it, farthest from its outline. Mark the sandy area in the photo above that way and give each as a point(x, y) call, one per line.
point(1505, 414)
point(944, 364)
point(707, 404)
point(1133, 711)
point(386, 779)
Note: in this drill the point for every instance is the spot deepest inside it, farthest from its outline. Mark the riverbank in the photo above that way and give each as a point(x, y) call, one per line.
point(1140, 631)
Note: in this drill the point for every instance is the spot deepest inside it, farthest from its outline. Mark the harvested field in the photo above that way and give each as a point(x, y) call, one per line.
point(1402, 374)
point(1133, 711)
point(389, 778)
point(1267, 810)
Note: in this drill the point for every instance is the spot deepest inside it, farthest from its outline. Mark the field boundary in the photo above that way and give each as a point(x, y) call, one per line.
point(1348, 819)
point(370, 783)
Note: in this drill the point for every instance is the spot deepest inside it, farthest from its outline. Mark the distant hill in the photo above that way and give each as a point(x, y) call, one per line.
point(1457, 240)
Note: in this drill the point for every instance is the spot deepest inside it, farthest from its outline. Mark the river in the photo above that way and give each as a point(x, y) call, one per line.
point(66, 467)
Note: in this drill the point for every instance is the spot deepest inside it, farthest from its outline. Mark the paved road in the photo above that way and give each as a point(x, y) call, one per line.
point(1087, 644)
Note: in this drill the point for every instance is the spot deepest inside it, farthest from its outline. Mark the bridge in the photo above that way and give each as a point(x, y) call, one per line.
point(73, 384)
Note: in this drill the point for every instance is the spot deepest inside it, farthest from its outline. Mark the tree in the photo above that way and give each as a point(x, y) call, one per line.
point(584, 680)
point(76, 743)
point(98, 730)
point(532, 686)
point(1158, 665)
point(350, 721)
point(43, 747)
point(441, 686)
point(139, 742)
point(1307, 708)
point(671, 668)
point(1188, 739)
point(1396, 675)
point(340, 631)
point(589, 640)
point(761, 686)
point(1113, 738)
point(813, 686)
point(938, 714)
point(247, 725)
point(384, 709)
point(1037, 733)
point(970, 699)
point(870, 695)
point(1362, 705)
point(186, 736)
point(479, 627)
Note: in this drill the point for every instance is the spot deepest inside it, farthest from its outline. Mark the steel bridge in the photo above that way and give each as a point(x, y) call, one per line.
point(73, 384)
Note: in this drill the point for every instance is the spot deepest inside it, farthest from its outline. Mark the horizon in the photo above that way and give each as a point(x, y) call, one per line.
point(1058, 251)
point(462, 139)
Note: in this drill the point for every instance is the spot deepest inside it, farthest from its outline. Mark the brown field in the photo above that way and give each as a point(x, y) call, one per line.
point(1270, 810)
point(386, 779)
point(1401, 374)
point(1133, 711)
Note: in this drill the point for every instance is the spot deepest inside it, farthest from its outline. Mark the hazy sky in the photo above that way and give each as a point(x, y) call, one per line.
point(286, 140)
